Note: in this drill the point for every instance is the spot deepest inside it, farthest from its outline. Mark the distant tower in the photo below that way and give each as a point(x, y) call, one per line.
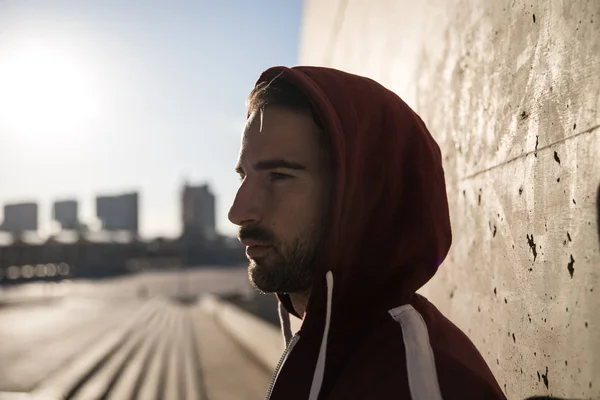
point(20, 218)
point(198, 211)
point(65, 212)
point(119, 212)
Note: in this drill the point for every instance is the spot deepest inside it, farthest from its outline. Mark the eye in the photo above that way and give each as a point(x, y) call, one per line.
point(277, 176)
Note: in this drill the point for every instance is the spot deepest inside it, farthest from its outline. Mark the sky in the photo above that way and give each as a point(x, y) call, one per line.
point(105, 97)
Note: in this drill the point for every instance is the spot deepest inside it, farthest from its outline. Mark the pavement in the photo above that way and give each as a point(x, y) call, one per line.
point(142, 337)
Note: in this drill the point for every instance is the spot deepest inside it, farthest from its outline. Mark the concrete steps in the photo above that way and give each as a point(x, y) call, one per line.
point(157, 349)
point(151, 356)
point(34, 358)
point(138, 366)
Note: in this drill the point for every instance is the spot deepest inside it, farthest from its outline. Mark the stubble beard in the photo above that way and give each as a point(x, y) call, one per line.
point(287, 269)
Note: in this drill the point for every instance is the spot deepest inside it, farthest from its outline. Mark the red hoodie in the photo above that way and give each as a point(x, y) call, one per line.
point(366, 334)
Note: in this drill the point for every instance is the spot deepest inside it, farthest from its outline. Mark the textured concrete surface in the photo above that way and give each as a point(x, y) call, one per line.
point(259, 337)
point(511, 91)
point(230, 371)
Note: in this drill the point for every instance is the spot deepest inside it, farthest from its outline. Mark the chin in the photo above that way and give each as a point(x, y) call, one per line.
point(263, 277)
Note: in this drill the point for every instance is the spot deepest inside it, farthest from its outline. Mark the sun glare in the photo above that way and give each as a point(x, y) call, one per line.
point(45, 92)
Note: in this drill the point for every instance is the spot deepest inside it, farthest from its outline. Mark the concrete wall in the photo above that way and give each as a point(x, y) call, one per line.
point(511, 91)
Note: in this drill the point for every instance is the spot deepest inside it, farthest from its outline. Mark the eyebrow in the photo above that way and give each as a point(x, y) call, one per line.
point(273, 164)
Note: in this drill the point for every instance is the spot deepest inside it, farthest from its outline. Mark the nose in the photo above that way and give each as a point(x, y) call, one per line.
point(245, 209)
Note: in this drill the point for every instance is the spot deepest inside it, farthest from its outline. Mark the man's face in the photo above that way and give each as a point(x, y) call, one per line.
point(280, 204)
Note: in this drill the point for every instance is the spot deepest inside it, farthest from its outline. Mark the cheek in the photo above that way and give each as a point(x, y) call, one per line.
point(295, 214)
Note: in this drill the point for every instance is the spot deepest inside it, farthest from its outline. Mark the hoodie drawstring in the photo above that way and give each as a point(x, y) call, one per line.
point(286, 329)
point(317, 381)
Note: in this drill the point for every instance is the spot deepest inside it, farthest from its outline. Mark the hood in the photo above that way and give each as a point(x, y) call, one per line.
point(388, 227)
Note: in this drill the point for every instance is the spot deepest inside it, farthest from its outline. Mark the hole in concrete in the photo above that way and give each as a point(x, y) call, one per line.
point(545, 378)
point(531, 244)
point(570, 266)
point(556, 158)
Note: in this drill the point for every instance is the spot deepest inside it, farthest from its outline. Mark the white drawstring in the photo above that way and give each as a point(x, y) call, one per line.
point(286, 329)
point(320, 367)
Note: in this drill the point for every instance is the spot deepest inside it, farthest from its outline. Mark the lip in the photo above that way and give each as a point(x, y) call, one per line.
point(251, 243)
point(256, 251)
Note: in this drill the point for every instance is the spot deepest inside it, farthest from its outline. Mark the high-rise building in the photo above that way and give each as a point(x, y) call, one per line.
point(65, 213)
point(198, 211)
point(118, 213)
point(19, 218)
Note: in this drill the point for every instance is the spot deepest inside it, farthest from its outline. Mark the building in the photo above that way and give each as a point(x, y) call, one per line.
point(118, 213)
point(19, 218)
point(65, 213)
point(198, 211)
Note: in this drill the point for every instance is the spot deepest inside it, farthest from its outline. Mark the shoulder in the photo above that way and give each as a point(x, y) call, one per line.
point(380, 368)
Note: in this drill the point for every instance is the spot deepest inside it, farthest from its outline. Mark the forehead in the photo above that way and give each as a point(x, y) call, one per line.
point(282, 133)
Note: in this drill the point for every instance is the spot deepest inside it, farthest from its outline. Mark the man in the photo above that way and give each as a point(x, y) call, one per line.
point(342, 206)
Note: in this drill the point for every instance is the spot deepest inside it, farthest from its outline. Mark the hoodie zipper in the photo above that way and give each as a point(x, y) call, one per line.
point(284, 357)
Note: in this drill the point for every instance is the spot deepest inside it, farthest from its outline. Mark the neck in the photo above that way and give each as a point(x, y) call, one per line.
point(300, 301)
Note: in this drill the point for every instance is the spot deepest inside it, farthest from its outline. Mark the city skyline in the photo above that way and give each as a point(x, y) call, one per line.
point(66, 211)
point(131, 97)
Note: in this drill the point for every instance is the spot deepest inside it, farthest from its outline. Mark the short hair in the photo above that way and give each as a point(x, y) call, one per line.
point(280, 92)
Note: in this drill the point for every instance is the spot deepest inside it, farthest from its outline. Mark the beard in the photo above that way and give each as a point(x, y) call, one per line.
point(286, 268)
